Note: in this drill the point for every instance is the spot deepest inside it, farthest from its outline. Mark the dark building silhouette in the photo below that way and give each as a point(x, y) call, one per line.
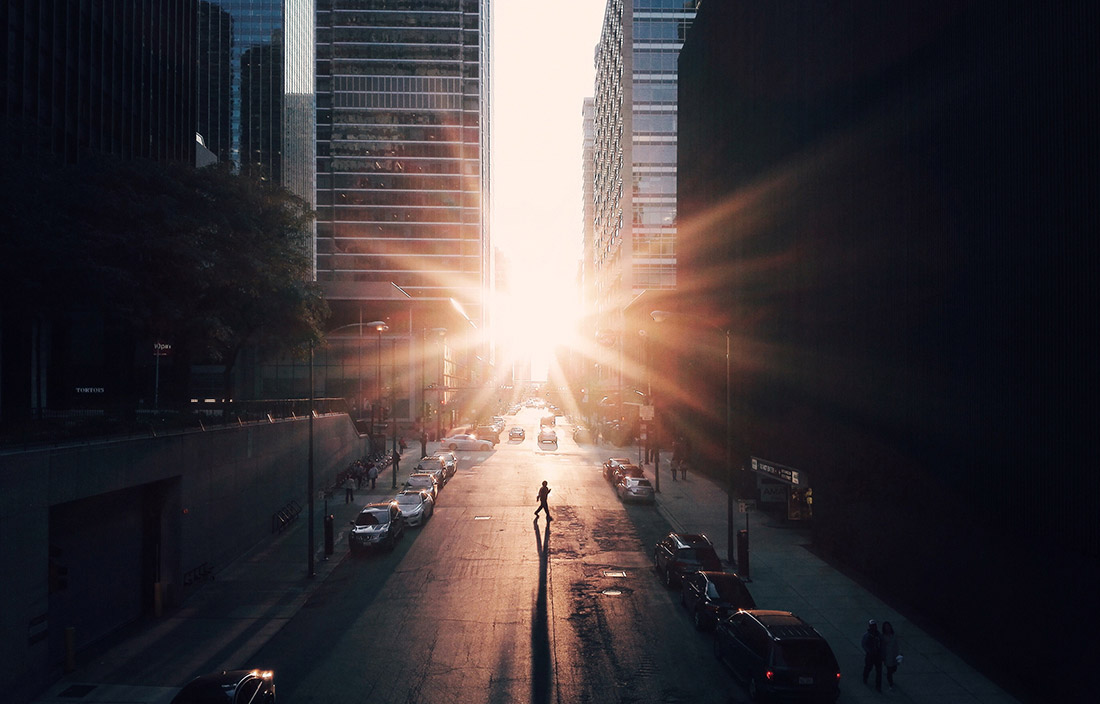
point(98, 76)
point(81, 78)
point(892, 206)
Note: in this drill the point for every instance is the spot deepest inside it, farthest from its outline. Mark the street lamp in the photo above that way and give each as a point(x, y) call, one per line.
point(660, 316)
point(440, 332)
point(381, 327)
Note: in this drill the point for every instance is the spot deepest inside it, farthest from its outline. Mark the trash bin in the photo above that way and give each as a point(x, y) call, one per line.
point(743, 553)
point(329, 538)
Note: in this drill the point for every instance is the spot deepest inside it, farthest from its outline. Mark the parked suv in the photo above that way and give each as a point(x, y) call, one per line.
point(778, 655)
point(678, 554)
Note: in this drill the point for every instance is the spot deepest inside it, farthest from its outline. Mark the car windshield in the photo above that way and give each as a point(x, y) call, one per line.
point(409, 499)
point(805, 654)
point(729, 590)
point(420, 481)
point(372, 518)
point(637, 482)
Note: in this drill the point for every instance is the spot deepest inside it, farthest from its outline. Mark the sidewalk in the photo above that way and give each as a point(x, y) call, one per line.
point(251, 600)
point(786, 576)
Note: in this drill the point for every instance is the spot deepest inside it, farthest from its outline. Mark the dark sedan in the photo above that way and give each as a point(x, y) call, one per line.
point(711, 596)
point(229, 687)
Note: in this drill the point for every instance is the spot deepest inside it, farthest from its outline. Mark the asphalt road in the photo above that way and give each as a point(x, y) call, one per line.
point(483, 604)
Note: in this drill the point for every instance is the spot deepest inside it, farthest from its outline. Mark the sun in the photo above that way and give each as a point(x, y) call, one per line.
point(537, 316)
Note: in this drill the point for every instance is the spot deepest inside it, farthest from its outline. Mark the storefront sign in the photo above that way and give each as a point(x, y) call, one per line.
point(780, 472)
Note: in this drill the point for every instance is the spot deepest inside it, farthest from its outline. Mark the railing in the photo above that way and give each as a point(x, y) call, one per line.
point(73, 426)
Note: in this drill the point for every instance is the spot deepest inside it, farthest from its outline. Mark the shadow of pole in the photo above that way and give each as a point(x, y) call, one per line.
point(540, 625)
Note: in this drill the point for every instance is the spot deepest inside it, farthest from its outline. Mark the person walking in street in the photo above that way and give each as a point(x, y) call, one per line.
point(872, 653)
point(396, 459)
point(891, 652)
point(543, 493)
point(349, 489)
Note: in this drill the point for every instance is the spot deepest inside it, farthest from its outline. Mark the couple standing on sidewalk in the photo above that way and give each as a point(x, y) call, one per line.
point(879, 648)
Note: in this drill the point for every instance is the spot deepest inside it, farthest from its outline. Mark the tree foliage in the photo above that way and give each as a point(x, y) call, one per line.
point(207, 260)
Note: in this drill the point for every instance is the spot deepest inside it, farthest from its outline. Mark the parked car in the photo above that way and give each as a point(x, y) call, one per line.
point(778, 655)
point(549, 419)
point(417, 506)
point(712, 596)
point(612, 463)
point(229, 687)
point(450, 462)
point(548, 436)
point(377, 525)
point(678, 554)
point(433, 465)
point(465, 441)
point(635, 489)
point(517, 433)
point(623, 471)
point(582, 435)
point(425, 481)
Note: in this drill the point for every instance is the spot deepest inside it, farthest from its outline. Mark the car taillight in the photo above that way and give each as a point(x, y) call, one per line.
point(769, 674)
point(838, 675)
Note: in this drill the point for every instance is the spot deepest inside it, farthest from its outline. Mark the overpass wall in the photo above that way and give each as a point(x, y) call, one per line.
point(90, 534)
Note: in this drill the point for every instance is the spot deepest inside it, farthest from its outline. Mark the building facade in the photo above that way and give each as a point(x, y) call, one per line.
point(403, 183)
point(632, 166)
point(255, 88)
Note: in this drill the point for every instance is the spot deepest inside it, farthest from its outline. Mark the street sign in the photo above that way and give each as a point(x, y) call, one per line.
point(646, 413)
point(746, 505)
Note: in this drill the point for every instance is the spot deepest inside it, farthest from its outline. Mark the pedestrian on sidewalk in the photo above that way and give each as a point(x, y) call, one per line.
point(677, 456)
point(543, 493)
point(372, 474)
point(423, 444)
point(891, 652)
point(872, 653)
point(396, 459)
point(349, 489)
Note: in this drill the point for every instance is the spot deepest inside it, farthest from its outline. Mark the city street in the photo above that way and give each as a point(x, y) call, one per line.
point(485, 604)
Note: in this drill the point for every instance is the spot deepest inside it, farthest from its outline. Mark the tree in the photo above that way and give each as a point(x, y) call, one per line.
point(207, 260)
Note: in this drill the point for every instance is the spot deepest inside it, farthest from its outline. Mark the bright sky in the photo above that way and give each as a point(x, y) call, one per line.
point(542, 72)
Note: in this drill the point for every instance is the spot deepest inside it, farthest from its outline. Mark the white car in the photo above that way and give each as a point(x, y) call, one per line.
point(466, 442)
point(416, 505)
point(547, 436)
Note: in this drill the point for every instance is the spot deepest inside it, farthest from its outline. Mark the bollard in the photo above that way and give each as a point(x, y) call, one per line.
point(743, 555)
point(329, 540)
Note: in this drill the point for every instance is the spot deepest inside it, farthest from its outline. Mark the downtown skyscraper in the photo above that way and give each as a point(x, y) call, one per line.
point(403, 148)
point(403, 194)
point(630, 130)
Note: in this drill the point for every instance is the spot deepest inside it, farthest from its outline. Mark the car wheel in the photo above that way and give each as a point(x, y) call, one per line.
point(452, 447)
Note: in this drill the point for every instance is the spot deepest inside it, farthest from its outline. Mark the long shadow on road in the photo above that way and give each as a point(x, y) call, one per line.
point(541, 667)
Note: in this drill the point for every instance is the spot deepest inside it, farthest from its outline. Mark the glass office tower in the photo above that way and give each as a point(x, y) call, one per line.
point(634, 169)
point(403, 151)
point(256, 105)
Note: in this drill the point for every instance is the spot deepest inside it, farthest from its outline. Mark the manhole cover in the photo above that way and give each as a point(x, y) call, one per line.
point(612, 592)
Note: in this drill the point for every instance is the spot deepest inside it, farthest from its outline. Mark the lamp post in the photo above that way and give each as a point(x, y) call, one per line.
point(393, 404)
point(381, 327)
point(661, 316)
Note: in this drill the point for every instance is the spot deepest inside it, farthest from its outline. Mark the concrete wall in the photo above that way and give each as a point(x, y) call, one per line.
point(112, 518)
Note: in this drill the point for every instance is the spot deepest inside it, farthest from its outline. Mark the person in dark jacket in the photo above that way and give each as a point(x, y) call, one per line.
point(544, 492)
point(872, 653)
